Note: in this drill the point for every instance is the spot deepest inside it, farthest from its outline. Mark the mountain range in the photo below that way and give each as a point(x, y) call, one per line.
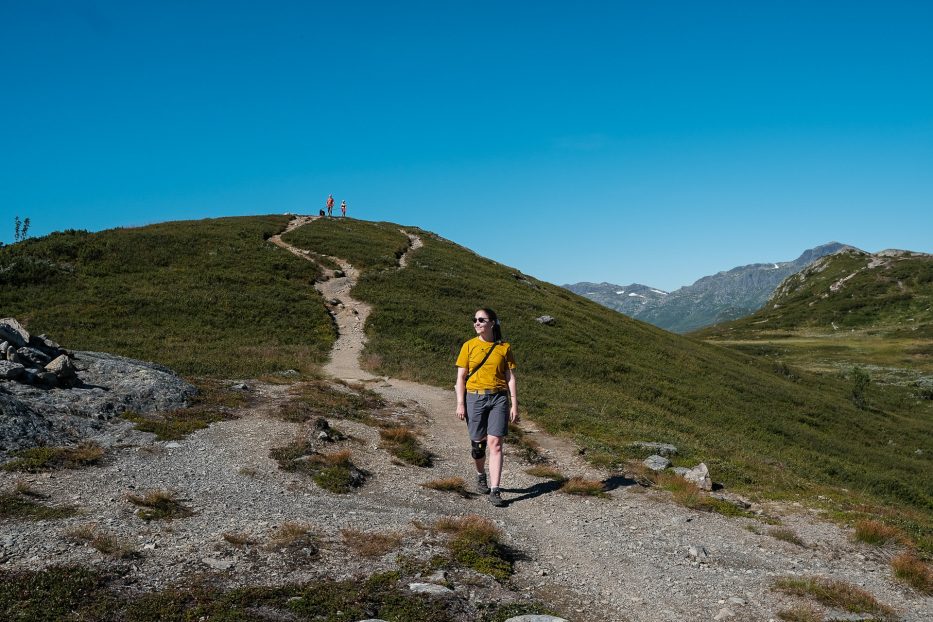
point(716, 298)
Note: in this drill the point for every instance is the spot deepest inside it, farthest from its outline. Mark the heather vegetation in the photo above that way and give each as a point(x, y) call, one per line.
point(207, 297)
point(606, 380)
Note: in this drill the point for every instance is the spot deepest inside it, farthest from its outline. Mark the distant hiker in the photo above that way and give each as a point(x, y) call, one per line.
point(321, 213)
point(485, 382)
point(330, 205)
point(343, 209)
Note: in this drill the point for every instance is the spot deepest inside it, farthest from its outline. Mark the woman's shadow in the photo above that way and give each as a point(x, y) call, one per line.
point(544, 488)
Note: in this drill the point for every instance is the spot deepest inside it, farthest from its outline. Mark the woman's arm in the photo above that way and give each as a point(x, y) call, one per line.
point(513, 395)
point(461, 389)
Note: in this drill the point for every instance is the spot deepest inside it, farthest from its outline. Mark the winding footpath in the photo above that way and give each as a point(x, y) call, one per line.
point(622, 558)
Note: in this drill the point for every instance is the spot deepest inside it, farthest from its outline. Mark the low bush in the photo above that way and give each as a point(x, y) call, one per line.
point(787, 535)
point(584, 487)
point(159, 505)
point(547, 472)
point(404, 445)
point(833, 593)
point(449, 484)
point(107, 543)
point(290, 535)
point(334, 472)
point(476, 543)
point(17, 505)
point(36, 459)
point(372, 543)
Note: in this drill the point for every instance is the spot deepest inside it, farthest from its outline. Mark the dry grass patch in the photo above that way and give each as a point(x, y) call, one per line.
point(584, 487)
point(801, 613)
point(372, 543)
point(36, 459)
point(404, 445)
point(449, 484)
point(159, 505)
point(547, 472)
point(787, 535)
point(914, 571)
point(322, 399)
point(239, 539)
point(476, 543)
point(833, 593)
point(294, 536)
point(876, 532)
point(107, 543)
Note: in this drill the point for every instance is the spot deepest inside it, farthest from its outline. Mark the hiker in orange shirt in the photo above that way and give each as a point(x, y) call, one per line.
point(485, 387)
point(330, 205)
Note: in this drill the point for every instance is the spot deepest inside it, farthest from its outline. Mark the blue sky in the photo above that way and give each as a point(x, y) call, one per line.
point(619, 141)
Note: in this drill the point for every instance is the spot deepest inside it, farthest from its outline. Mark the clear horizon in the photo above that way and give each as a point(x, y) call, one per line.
point(615, 142)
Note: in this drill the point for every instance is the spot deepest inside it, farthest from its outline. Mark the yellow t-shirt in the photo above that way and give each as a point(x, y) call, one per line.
point(492, 374)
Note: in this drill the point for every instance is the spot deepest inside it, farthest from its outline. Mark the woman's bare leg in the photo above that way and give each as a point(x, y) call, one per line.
point(494, 447)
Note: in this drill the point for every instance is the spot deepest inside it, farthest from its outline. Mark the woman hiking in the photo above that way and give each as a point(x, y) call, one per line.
point(485, 388)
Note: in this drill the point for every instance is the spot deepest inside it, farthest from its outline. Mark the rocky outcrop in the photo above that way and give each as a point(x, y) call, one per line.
point(51, 396)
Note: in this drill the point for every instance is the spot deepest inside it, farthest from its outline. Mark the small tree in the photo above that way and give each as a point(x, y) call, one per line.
point(20, 229)
point(860, 382)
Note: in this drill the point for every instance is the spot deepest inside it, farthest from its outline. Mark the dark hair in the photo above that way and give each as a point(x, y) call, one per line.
point(496, 329)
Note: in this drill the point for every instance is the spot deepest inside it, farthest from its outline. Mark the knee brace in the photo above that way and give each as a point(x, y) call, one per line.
point(478, 450)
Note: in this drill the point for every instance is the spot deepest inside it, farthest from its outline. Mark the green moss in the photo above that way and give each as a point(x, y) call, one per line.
point(16, 506)
point(37, 459)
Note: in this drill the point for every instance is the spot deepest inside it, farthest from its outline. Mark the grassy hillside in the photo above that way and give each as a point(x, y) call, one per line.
point(208, 297)
point(607, 380)
point(847, 291)
point(845, 310)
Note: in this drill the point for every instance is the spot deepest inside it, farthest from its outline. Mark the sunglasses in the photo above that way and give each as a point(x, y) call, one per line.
point(480, 320)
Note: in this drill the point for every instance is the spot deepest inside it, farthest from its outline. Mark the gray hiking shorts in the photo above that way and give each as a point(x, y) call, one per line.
point(487, 414)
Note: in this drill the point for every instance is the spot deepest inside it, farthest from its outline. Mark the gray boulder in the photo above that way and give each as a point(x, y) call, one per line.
point(10, 371)
point(699, 475)
point(430, 588)
point(62, 368)
point(46, 345)
point(547, 320)
point(13, 332)
point(33, 356)
point(657, 463)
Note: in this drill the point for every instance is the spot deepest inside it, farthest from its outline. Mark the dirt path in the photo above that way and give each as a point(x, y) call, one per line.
point(626, 557)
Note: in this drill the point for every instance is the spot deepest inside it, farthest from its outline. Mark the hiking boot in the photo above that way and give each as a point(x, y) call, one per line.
point(481, 484)
point(495, 499)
